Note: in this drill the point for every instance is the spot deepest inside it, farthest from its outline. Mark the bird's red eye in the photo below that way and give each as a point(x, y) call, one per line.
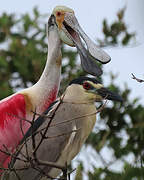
point(58, 13)
point(86, 85)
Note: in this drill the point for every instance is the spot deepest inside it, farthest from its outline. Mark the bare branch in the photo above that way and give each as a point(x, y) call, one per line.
point(32, 160)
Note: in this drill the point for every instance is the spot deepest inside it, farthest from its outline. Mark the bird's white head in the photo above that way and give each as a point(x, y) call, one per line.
point(70, 32)
point(90, 90)
point(60, 12)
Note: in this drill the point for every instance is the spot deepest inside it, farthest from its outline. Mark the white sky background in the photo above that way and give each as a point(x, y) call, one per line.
point(90, 14)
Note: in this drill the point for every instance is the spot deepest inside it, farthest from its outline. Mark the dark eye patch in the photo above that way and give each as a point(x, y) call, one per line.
point(87, 86)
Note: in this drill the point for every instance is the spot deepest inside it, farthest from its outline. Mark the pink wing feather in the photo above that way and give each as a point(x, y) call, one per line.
point(12, 115)
point(12, 111)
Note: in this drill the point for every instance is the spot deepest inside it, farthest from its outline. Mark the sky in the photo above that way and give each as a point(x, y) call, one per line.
point(90, 14)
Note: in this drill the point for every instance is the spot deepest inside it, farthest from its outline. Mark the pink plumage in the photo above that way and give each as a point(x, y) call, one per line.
point(12, 111)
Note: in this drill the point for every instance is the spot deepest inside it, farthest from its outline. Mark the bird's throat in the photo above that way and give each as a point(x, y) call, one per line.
point(47, 87)
point(51, 98)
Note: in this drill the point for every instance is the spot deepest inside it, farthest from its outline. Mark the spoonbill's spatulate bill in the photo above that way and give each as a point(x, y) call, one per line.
point(71, 29)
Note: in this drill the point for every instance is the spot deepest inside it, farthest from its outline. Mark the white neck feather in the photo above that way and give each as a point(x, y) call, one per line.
point(52, 71)
point(50, 78)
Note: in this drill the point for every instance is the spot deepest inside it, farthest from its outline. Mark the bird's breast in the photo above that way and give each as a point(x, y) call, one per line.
point(83, 120)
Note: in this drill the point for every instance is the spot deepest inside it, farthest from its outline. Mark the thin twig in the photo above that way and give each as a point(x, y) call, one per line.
point(12, 155)
point(44, 134)
point(22, 119)
point(27, 154)
point(75, 118)
point(34, 162)
point(138, 80)
point(69, 173)
point(33, 136)
point(16, 174)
